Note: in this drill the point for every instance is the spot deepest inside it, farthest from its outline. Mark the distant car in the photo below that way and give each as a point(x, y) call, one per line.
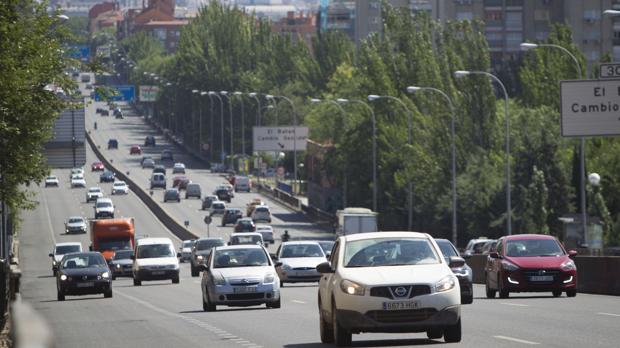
point(75, 224)
point(261, 213)
point(121, 263)
point(201, 251)
point(93, 193)
point(105, 112)
point(267, 232)
point(242, 183)
point(97, 167)
point(149, 140)
point(112, 144)
point(186, 250)
point(83, 274)
point(223, 194)
point(135, 150)
point(51, 180)
point(298, 261)
point(89, 86)
point(463, 273)
point(217, 207)
point(148, 163)
point(60, 249)
point(229, 187)
point(77, 181)
point(118, 113)
point(231, 215)
point(530, 263)
point(180, 182)
point(207, 200)
point(250, 206)
point(166, 155)
point(220, 282)
point(245, 225)
point(77, 171)
point(474, 246)
point(193, 190)
point(489, 247)
point(158, 180)
point(107, 176)
point(178, 168)
point(159, 169)
point(120, 188)
point(104, 208)
point(218, 168)
point(246, 238)
point(146, 157)
point(172, 194)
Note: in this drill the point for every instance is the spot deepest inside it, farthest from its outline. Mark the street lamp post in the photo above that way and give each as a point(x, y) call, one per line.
point(374, 146)
point(168, 84)
point(344, 176)
point(413, 89)
point(202, 94)
point(272, 97)
point(240, 95)
point(197, 92)
point(373, 97)
point(582, 144)
point(210, 126)
point(222, 154)
point(258, 110)
point(462, 73)
point(225, 94)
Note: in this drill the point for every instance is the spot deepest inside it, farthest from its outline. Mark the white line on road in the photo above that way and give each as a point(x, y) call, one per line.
point(514, 304)
point(609, 314)
point(297, 301)
point(515, 340)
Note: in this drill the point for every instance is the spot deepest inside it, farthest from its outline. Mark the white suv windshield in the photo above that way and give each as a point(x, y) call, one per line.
point(154, 251)
point(389, 252)
point(104, 205)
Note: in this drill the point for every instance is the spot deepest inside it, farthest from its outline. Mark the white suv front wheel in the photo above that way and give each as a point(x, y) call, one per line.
point(342, 337)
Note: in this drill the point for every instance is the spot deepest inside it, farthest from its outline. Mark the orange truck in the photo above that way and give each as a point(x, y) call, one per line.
point(109, 235)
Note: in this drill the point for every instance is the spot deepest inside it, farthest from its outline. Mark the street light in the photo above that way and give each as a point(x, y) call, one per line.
point(194, 91)
point(202, 94)
point(225, 94)
point(611, 12)
point(463, 73)
point(258, 110)
point(222, 153)
point(374, 146)
point(414, 89)
point(582, 143)
point(240, 94)
point(374, 97)
point(272, 97)
point(344, 114)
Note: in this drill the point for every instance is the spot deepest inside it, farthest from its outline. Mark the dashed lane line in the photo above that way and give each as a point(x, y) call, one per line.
point(297, 301)
point(514, 304)
point(512, 339)
point(222, 333)
point(609, 314)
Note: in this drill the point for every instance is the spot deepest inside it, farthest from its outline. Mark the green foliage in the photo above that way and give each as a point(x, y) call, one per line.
point(78, 29)
point(30, 60)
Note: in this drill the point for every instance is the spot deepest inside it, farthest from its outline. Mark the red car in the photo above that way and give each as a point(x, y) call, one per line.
point(530, 263)
point(135, 150)
point(97, 167)
point(180, 182)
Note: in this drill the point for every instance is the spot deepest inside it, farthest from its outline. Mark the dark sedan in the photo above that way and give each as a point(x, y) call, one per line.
point(107, 176)
point(83, 274)
point(231, 215)
point(121, 264)
point(223, 195)
point(172, 195)
point(245, 225)
point(463, 273)
point(200, 252)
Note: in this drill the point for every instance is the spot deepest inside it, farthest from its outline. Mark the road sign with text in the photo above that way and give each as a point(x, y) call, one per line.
point(610, 71)
point(280, 138)
point(590, 107)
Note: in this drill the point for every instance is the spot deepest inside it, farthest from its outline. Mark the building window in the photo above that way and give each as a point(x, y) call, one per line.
point(494, 38)
point(514, 20)
point(464, 16)
point(591, 15)
point(514, 40)
point(493, 17)
point(541, 35)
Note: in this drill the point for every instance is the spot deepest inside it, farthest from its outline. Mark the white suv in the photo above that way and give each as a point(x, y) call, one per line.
point(155, 259)
point(388, 282)
point(104, 208)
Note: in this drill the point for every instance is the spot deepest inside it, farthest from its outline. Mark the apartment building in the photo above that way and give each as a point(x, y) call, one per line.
point(508, 22)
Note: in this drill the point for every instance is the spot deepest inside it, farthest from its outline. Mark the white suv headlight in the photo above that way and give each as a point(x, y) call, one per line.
point(218, 279)
point(445, 284)
point(269, 278)
point(352, 288)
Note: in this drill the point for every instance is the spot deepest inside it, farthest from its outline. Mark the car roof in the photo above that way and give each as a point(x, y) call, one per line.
point(262, 206)
point(264, 227)
point(241, 234)
point(301, 242)
point(210, 238)
point(217, 202)
point(104, 199)
point(529, 236)
point(239, 246)
point(151, 241)
point(75, 217)
point(68, 243)
point(120, 182)
point(94, 188)
point(391, 234)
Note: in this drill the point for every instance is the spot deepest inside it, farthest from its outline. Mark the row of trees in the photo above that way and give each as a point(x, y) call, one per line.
point(226, 49)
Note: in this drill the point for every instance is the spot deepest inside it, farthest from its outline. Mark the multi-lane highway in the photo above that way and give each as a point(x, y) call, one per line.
point(160, 314)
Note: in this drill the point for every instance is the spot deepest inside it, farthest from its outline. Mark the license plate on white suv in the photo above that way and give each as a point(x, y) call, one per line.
point(400, 305)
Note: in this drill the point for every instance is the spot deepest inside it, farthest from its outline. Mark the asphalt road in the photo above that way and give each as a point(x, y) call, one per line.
point(132, 130)
point(160, 314)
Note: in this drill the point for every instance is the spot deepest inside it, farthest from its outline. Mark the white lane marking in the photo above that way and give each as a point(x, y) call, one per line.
point(190, 320)
point(49, 218)
point(297, 301)
point(514, 304)
point(609, 314)
point(516, 340)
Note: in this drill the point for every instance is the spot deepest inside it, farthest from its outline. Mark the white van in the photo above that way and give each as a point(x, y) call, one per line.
point(243, 183)
point(155, 259)
point(104, 208)
point(158, 180)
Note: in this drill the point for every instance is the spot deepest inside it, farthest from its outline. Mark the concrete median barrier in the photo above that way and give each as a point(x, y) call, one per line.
point(174, 226)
